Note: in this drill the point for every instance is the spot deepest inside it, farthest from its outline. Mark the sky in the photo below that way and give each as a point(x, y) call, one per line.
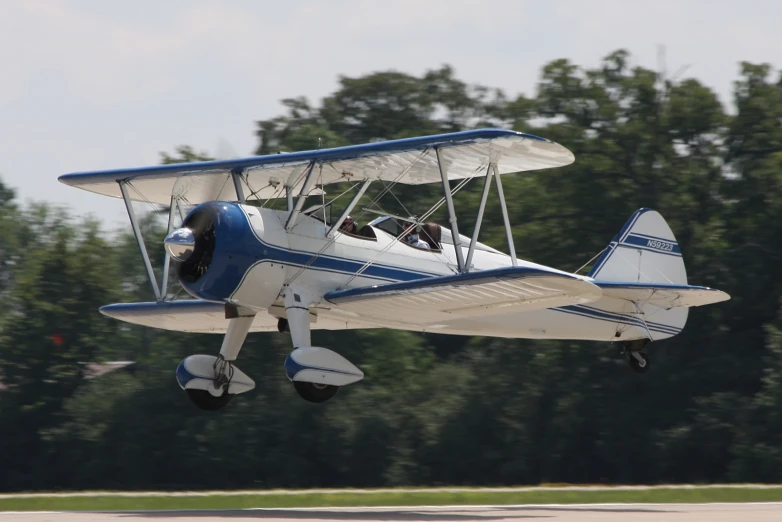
point(90, 84)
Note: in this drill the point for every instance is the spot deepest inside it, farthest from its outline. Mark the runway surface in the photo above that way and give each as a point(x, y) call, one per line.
point(754, 512)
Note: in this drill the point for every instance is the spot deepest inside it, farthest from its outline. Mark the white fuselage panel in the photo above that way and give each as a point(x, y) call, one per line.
point(323, 264)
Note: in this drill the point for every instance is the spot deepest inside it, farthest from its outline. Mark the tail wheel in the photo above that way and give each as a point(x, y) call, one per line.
point(639, 362)
point(206, 401)
point(315, 392)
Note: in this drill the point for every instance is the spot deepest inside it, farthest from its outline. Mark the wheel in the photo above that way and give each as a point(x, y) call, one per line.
point(636, 365)
point(206, 401)
point(315, 392)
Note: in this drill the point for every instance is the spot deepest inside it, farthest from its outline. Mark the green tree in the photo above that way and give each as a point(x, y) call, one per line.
point(63, 272)
point(438, 409)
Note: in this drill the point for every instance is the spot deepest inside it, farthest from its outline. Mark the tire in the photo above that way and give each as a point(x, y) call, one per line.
point(316, 393)
point(635, 365)
point(206, 401)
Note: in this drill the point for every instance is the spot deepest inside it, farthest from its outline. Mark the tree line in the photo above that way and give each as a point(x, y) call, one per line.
point(436, 409)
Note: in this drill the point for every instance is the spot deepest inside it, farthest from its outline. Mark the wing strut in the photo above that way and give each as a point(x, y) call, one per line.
point(123, 186)
point(479, 218)
point(167, 259)
point(457, 244)
point(236, 176)
point(305, 189)
point(508, 231)
point(289, 197)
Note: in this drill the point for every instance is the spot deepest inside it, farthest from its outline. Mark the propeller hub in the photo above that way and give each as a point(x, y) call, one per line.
point(180, 244)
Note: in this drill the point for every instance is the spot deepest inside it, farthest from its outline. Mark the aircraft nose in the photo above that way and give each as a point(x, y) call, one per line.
point(180, 244)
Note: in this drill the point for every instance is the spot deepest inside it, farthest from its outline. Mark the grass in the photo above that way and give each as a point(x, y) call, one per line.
point(128, 502)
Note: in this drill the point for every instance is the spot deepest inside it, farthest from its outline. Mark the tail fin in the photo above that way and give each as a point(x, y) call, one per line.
point(644, 282)
point(644, 251)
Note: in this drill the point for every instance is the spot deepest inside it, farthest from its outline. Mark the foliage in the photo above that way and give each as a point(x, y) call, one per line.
point(437, 409)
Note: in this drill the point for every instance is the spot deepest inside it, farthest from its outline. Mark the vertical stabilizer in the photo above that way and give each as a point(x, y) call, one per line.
point(644, 251)
point(643, 255)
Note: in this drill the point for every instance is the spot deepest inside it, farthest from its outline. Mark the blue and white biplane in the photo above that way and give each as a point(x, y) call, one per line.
point(254, 268)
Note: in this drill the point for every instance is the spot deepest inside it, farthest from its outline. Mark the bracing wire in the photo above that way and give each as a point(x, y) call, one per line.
point(587, 263)
point(360, 214)
point(431, 211)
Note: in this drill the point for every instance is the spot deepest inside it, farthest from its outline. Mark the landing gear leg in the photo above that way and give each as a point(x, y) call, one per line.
point(298, 324)
point(297, 308)
point(212, 390)
point(636, 357)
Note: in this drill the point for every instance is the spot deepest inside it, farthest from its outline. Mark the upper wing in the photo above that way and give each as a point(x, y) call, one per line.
point(661, 295)
point(485, 292)
point(410, 161)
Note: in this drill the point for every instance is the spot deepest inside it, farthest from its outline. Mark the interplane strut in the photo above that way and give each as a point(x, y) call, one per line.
point(457, 243)
point(123, 185)
point(167, 257)
point(479, 217)
point(503, 206)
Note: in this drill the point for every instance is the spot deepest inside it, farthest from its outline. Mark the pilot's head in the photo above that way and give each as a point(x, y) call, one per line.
point(348, 225)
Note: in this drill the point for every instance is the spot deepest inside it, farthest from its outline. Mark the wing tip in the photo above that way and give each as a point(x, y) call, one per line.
point(67, 179)
point(720, 295)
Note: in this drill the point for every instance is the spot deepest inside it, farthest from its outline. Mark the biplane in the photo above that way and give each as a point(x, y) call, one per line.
point(251, 267)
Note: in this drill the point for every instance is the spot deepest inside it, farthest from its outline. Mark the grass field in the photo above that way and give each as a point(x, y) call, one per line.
point(107, 501)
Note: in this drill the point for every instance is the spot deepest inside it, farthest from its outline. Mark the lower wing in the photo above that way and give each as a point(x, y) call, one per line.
point(482, 293)
point(183, 316)
point(414, 303)
point(196, 316)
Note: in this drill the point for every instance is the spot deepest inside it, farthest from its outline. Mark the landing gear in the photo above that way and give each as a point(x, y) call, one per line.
point(206, 401)
point(312, 392)
point(210, 382)
point(638, 361)
point(636, 357)
point(316, 373)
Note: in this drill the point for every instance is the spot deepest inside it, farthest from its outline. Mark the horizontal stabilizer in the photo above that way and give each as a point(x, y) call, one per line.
point(663, 296)
point(480, 293)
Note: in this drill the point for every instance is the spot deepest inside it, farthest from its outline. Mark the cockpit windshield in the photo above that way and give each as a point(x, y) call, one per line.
point(387, 224)
point(432, 233)
point(320, 212)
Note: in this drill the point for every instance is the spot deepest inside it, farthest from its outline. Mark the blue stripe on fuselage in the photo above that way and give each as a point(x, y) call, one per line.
point(238, 247)
point(612, 317)
point(318, 261)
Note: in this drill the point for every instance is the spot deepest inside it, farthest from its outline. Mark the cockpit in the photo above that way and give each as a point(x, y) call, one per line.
point(433, 235)
point(426, 236)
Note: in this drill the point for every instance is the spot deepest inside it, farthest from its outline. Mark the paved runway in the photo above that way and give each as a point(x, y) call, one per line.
point(755, 512)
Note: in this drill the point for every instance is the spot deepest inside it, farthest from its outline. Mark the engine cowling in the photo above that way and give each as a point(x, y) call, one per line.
point(220, 255)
